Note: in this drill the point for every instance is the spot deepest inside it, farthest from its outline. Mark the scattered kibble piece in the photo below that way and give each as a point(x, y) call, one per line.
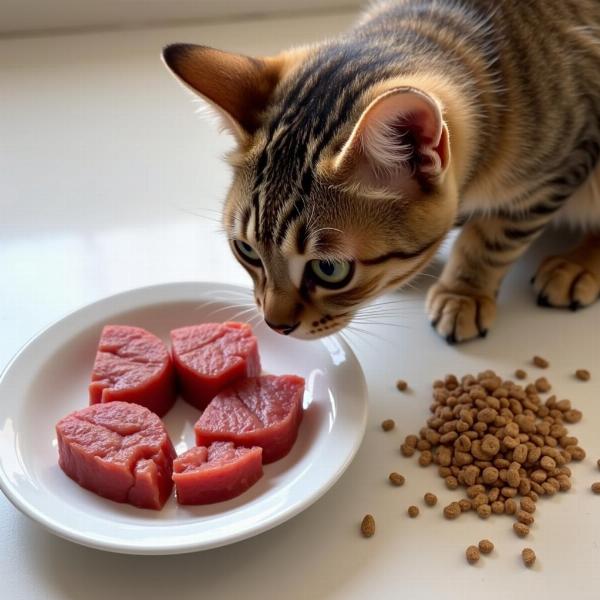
point(430, 499)
point(401, 385)
point(367, 527)
point(452, 511)
point(472, 554)
point(528, 557)
point(413, 512)
point(388, 424)
point(596, 487)
point(520, 374)
point(465, 505)
point(521, 529)
point(598, 463)
point(583, 374)
point(486, 547)
point(396, 479)
point(540, 362)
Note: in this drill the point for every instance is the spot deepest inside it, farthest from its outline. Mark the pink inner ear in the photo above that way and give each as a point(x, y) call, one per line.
point(415, 111)
point(405, 123)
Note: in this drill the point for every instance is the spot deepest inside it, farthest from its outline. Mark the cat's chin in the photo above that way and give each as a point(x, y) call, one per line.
point(308, 335)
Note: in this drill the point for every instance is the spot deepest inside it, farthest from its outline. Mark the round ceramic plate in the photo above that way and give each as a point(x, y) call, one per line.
point(48, 379)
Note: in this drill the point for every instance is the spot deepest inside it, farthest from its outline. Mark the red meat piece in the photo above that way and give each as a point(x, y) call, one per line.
point(220, 472)
point(261, 411)
point(118, 450)
point(211, 356)
point(133, 365)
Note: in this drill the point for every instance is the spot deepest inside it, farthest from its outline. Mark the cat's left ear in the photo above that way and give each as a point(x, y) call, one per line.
point(238, 87)
point(400, 136)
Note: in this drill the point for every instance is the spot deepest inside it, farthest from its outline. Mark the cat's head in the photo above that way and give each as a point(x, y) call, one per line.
point(342, 183)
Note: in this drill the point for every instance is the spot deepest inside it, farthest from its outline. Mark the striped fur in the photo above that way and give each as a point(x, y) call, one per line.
point(501, 130)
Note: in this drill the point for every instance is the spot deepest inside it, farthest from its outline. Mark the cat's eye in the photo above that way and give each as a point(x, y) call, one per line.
point(331, 273)
point(247, 253)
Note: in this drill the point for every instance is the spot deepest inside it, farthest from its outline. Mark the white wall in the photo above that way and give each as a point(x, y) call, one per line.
point(34, 15)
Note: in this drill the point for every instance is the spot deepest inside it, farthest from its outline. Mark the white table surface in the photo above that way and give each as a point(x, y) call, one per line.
point(102, 165)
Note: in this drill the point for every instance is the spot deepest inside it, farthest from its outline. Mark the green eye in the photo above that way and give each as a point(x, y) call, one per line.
point(247, 252)
point(331, 273)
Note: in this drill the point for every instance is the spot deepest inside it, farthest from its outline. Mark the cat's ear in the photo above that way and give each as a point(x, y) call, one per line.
point(401, 136)
point(239, 87)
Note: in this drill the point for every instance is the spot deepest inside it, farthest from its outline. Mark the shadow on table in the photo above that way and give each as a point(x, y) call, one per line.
point(264, 567)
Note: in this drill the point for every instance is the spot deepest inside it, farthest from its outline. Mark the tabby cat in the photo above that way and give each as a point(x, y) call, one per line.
point(357, 155)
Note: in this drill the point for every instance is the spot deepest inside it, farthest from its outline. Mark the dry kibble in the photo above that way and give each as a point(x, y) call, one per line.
point(401, 385)
point(388, 425)
point(583, 374)
point(521, 529)
point(407, 451)
point(451, 482)
point(472, 554)
point(486, 547)
point(573, 416)
point(596, 487)
point(413, 511)
point(540, 362)
point(542, 385)
point(367, 527)
point(528, 557)
point(525, 517)
point(520, 374)
point(547, 463)
point(489, 475)
point(396, 479)
point(510, 506)
point(465, 505)
point(528, 505)
point(430, 499)
point(452, 511)
point(598, 463)
point(411, 441)
point(576, 452)
point(423, 445)
point(499, 441)
point(426, 458)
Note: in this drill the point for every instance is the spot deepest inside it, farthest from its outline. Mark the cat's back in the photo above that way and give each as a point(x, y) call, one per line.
point(529, 68)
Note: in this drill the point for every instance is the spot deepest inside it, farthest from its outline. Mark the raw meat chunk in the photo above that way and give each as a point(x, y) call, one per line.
point(133, 365)
point(211, 356)
point(119, 450)
point(260, 411)
point(220, 472)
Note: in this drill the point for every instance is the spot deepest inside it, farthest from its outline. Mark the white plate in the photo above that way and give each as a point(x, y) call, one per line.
point(48, 379)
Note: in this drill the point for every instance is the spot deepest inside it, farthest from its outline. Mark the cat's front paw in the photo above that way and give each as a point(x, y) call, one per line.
point(563, 283)
point(458, 316)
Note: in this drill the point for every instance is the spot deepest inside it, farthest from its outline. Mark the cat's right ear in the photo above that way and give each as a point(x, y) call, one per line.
point(239, 87)
point(399, 140)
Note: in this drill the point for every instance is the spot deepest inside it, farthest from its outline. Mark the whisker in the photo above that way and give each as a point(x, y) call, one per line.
point(242, 312)
point(229, 307)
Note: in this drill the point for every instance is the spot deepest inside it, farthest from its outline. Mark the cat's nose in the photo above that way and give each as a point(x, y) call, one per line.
point(284, 328)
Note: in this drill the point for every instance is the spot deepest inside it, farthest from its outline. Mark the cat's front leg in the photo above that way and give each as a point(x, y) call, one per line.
point(462, 305)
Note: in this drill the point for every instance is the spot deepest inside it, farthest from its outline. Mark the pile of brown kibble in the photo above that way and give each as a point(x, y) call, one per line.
point(500, 441)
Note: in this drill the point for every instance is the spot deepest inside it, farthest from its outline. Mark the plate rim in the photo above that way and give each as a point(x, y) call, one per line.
point(69, 533)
